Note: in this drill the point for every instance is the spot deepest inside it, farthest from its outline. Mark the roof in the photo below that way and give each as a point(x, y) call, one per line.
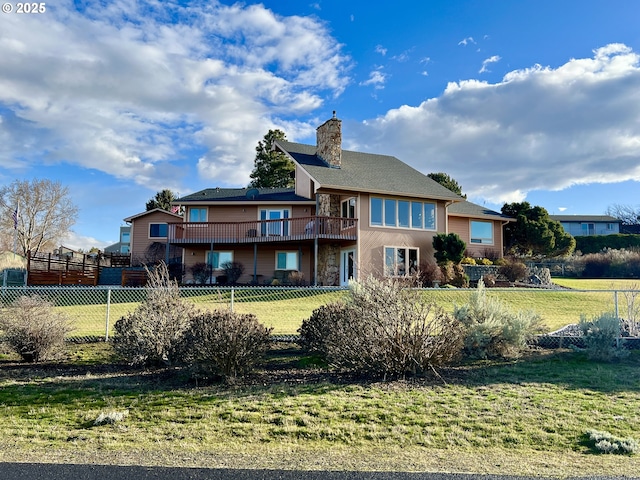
point(366, 172)
point(244, 195)
point(155, 210)
point(585, 218)
point(472, 210)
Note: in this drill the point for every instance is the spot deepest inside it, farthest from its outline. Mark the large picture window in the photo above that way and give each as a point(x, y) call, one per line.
point(482, 232)
point(400, 261)
point(197, 214)
point(158, 230)
point(390, 212)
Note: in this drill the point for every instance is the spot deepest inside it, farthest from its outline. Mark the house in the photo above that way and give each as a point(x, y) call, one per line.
point(148, 236)
point(124, 244)
point(350, 215)
point(583, 225)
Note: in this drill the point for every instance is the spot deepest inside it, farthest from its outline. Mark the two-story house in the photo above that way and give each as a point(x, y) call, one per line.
point(350, 215)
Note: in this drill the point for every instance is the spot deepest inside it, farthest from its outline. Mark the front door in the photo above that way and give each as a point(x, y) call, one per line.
point(347, 266)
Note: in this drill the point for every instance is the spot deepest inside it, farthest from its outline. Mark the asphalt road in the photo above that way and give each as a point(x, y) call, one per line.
point(40, 471)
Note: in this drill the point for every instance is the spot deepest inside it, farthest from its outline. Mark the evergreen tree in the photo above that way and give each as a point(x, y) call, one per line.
point(161, 200)
point(271, 168)
point(447, 182)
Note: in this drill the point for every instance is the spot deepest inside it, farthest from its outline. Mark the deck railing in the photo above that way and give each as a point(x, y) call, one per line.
point(287, 229)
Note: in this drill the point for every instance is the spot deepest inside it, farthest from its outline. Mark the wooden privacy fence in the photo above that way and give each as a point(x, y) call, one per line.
point(70, 268)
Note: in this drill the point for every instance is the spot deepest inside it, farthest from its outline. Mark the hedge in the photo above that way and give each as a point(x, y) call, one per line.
point(597, 243)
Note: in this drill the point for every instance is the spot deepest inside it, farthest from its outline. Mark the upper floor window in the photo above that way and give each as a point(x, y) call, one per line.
point(197, 214)
point(390, 212)
point(124, 237)
point(349, 208)
point(272, 226)
point(157, 230)
point(482, 232)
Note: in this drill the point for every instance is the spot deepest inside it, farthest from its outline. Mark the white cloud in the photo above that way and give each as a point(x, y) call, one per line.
point(381, 50)
point(128, 88)
point(467, 41)
point(377, 78)
point(538, 129)
point(75, 241)
point(487, 62)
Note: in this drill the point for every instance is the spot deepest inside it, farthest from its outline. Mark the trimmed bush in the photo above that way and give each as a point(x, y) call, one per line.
point(600, 334)
point(449, 247)
point(382, 329)
point(513, 271)
point(492, 330)
point(226, 343)
point(153, 334)
point(33, 329)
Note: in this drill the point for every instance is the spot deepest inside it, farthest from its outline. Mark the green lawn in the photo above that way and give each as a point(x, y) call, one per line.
point(526, 417)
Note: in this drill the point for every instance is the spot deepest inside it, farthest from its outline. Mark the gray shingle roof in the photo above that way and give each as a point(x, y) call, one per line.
point(367, 172)
point(585, 218)
point(242, 195)
point(469, 209)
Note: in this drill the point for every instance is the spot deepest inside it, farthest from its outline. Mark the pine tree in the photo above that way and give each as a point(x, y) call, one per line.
point(271, 168)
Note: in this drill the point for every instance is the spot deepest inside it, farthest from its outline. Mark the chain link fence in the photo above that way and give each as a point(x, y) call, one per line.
point(94, 310)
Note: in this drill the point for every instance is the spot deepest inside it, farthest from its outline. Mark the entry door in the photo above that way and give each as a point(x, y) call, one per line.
point(347, 266)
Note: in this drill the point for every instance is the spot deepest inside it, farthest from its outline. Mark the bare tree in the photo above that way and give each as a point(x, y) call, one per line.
point(627, 214)
point(39, 213)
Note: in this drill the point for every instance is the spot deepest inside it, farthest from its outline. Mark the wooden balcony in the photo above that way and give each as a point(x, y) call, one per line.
point(263, 231)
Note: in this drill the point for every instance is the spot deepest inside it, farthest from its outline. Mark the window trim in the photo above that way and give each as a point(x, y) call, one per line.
point(395, 249)
point(481, 242)
point(157, 236)
point(396, 202)
point(288, 252)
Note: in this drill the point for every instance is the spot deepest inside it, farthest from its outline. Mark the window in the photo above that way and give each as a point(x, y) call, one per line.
point(124, 237)
point(124, 249)
point(403, 213)
point(270, 228)
point(349, 208)
point(286, 260)
point(400, 261)
point(217, 259)
point(158, 230)
point(197, 214)
point(482, 232)
point(588, 229)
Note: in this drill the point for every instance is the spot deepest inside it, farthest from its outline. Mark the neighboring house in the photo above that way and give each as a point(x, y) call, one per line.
point(350, 215)
point(148, 236)
point(124, 245)
point(480, 228)
point(582, 225)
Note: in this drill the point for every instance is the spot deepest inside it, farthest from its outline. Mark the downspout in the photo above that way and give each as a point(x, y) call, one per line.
point(446, 216)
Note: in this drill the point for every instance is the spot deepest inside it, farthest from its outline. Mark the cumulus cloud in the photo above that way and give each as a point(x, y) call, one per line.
point(377, 79)
point(540, 128)
point(381, 50)
point(128, 88)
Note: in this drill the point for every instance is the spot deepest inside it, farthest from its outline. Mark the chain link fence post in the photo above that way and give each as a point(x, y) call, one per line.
point(106, 327)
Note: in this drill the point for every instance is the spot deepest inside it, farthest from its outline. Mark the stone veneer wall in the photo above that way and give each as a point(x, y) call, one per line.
point(328, 254)
point(329, 142)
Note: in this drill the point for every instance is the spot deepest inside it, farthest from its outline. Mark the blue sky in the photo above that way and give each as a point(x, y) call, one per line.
point(517, 100)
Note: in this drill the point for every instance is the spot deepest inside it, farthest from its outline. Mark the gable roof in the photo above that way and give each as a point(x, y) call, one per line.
point(366, 172)
point(472, 210)
point(585, 218)
point(149, 212)
point(243, 195)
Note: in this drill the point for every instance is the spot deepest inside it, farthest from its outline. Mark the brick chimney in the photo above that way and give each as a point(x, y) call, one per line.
point(329, 141)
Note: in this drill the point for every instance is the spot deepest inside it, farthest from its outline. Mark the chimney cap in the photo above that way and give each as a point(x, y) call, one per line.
point(334, 114)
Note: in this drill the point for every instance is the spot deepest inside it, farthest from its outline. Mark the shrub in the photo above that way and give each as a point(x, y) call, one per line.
point(513, 271)
point(429, 273)
point(448, 247)
point(201, 272)
point(153, 333)
point(226, 343)
point(460, 278)
point(492, 330)
point(600, 336)
point(604, 442)
point(383, 329)
point(489, 280)
point(485, 261)
point(296, 278)
point(233, 271)
point(33, 329)
point(468, 261)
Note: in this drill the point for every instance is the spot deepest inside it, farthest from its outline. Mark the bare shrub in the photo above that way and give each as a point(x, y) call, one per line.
point(201, 272)
point(492, 330)
point(33, 329)
point(383, 329)
point(225, 343)
point(296, 278)
point(429, 273)
point(233, 271)
point(153, 333)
